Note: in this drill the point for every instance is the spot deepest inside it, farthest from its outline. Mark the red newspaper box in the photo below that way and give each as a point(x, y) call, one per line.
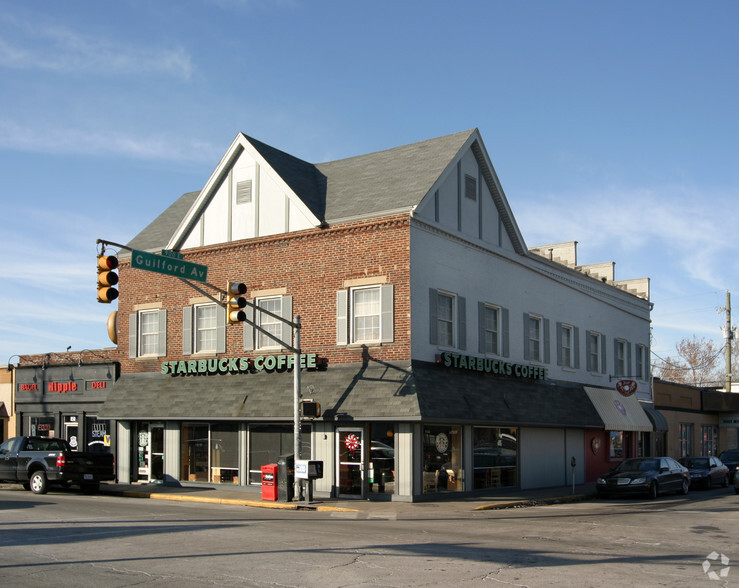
point(269, 481)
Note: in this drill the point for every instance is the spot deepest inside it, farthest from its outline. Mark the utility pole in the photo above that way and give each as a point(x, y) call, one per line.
point(729, 336)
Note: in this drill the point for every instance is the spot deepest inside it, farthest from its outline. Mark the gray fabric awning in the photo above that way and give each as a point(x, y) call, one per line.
point(658, 419)
point(619, 413)
point(404, 391)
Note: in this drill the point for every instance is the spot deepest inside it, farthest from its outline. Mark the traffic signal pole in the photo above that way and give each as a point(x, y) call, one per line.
point(225, 298)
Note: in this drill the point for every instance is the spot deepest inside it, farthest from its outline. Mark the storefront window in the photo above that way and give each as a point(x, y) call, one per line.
point(42, 426)
point(268, 442)
point(381, 475)
point(442, 459)
point(97, 435)
point(210, 453)
point(616, 445)
point(709, 440)
point(495, 457)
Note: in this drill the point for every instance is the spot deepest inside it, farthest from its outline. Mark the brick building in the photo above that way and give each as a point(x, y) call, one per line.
point(445, 354)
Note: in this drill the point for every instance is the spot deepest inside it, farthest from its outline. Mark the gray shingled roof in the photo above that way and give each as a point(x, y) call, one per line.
point(387, 180)
point(402, 391)
point(158, 232)
point(365, 185)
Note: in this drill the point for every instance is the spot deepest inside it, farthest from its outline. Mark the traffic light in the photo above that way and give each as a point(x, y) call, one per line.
point(107, 278)
point(311, 409)
point(235, 302)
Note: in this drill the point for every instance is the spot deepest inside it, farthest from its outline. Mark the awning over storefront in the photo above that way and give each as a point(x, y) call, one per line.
point(658, 419)
point(619, 413)
point(3, 410)
point(403, 391)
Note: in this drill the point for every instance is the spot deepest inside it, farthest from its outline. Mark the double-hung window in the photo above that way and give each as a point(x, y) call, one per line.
point(148, 333)
point(365, 309)
point(641, 362)
point(365, 314)
point(277, 321)
point(596, 359)
point(203, 329)
point(445, 317)
point(493, 332)
point(448, 323)
point(620, 358)
point(490, 329)
point(568, 348)
point(270, 323)
point(536, 338)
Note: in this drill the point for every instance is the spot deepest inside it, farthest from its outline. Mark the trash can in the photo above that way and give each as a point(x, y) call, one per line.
point(269, 481)
point(285, 477)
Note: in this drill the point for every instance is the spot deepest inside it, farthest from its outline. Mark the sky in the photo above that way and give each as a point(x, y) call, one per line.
point(611, 124)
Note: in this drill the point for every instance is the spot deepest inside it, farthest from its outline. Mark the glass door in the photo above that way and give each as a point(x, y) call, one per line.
point(150, 452)
point(350, 472)
point(71, 432)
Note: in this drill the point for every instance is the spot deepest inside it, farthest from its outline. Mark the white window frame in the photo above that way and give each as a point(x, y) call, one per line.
point(450, 321)
point(619, 358)
point(594, 351)
point(535, 341)
point(641, 354)
point(355, 316)
point(147, 338)
point(492, 334)
point(269, 323)
point(197, 329)
point(568, 348)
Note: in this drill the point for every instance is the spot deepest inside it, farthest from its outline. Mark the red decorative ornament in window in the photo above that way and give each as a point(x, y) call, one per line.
point(352, 443)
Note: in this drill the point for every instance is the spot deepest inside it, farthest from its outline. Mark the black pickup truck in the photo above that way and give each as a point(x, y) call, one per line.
point(37, 462)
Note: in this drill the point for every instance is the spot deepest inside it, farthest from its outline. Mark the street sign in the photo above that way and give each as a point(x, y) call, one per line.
point(169, 265)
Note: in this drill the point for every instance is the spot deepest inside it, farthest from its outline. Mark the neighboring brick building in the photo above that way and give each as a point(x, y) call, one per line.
point(446, 355)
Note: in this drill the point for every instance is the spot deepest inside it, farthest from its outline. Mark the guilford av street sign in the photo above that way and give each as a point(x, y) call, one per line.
point(169, 263)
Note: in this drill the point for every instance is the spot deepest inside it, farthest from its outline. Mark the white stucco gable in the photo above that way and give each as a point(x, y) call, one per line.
point(467, 199)
point(244, 197)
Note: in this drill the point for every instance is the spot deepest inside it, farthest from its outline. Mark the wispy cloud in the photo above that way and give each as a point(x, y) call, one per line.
point(46, 47)
point(666, 224)
point(101, 143)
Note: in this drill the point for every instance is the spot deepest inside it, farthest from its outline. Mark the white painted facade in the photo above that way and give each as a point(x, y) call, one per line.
point(460, 247)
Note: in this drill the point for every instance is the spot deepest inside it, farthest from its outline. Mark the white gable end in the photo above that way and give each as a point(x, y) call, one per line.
point(462, 202)
point(244, 198)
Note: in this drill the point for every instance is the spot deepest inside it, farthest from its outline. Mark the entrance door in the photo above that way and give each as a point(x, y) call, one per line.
point(71, 432)
point(150, 452)
point(350, 473)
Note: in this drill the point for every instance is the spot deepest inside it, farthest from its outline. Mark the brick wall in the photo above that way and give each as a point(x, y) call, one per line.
point(310, 265)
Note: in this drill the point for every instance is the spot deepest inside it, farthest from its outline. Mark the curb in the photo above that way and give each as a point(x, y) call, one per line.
point(231, 501)
point(523, 503)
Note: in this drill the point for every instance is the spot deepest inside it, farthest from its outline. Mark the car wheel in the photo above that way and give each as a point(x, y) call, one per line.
point(686, 486)
point(736, 489)
point(653, 490)
point(38, 482)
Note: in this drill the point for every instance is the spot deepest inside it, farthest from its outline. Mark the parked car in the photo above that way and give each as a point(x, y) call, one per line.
point(730, 457)
point(648, 476)
point(706, 471)
point(736, 484)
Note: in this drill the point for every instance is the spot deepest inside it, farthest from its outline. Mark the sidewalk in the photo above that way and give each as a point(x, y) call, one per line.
point(495, 500)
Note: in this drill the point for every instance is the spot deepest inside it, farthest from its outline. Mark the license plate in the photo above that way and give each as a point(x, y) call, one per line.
point(88, 476)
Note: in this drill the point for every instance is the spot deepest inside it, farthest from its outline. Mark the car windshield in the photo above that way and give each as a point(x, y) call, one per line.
point(695, 463)
point(729, 456)
point(638, 464)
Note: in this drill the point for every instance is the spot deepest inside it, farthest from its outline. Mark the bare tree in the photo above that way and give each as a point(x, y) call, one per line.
point(698, 363)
